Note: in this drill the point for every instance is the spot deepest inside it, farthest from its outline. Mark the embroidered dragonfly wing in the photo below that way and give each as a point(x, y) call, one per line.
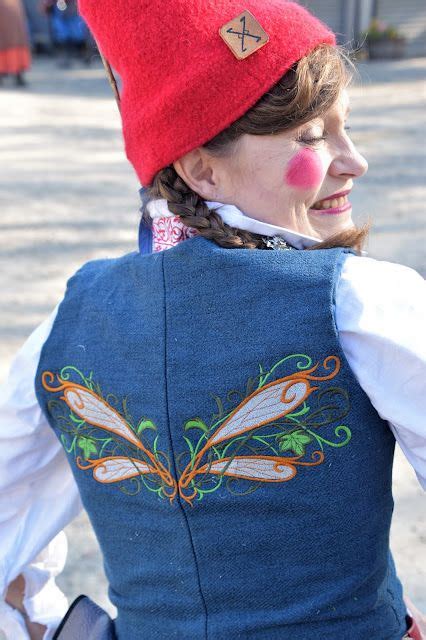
point(116, 469)
point(96, 412)
point(263, 468)
point(270, 403)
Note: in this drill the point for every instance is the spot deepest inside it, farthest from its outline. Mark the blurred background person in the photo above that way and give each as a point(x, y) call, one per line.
point(68, 31)
point(38, 27)
point(15, 57)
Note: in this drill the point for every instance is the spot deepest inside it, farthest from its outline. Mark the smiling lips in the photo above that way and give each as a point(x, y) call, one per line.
point(333, 205)
point(330, 204)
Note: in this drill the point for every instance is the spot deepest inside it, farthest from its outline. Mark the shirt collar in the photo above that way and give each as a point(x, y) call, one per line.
point(232, 216)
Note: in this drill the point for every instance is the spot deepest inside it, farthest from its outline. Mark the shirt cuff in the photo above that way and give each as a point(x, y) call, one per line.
point(43, 601)
point(48, 608)
point(12, 625)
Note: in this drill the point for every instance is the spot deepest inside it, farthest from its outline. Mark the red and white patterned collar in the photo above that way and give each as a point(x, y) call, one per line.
point(167, 231)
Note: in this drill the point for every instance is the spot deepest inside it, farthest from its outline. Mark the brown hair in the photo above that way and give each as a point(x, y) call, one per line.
point(306, 91)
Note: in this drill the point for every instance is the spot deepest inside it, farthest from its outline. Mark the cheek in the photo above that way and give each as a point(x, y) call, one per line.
point(304, 171)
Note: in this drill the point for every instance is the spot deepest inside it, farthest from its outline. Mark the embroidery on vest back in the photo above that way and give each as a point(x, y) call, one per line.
point(277, 426)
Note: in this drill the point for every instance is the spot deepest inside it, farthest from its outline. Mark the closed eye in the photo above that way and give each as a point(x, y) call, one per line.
point(317, 139)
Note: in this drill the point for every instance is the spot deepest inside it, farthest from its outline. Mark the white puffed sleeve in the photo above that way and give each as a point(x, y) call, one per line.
point(381, 320)
point(38, 497)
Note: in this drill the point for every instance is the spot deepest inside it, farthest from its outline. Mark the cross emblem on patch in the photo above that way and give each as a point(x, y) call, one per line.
point(243, 35)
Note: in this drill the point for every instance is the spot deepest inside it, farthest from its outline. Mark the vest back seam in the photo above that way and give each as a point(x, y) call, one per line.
point(179, 502)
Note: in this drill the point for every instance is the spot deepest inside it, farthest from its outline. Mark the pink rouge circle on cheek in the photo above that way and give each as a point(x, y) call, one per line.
point(304, 171)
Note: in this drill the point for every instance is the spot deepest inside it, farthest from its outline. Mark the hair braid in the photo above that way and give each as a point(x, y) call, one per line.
point(194, 213)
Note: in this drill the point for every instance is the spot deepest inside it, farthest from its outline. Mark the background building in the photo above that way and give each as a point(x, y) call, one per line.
point(349, 17)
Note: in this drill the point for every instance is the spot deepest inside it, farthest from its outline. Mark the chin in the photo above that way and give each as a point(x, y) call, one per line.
point(329, 229)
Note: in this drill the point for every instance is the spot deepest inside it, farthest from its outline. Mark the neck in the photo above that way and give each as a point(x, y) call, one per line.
point(233, 216)
point(168, 229)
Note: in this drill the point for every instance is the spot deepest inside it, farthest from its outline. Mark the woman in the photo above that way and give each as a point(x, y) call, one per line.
point(15, 56)
point(229, 416)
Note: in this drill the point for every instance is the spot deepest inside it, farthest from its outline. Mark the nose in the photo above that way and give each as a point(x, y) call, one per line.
point(348, 162)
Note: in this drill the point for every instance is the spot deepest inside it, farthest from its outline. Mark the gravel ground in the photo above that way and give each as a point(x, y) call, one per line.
point(67, 195)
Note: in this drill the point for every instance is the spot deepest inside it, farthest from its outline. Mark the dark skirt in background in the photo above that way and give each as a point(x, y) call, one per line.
point(15, 54)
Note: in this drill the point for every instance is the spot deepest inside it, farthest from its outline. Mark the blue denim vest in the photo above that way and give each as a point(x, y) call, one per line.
point(237, 476)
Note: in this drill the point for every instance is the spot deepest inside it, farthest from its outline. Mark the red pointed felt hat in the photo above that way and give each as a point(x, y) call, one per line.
point(189, 68)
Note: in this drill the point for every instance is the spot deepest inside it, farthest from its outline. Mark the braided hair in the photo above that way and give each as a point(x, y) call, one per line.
point(193, 211)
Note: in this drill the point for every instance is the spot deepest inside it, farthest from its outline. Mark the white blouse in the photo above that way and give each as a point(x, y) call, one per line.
point(380, 313)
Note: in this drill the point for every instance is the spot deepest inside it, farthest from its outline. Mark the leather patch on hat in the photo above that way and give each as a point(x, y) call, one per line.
point(243, 35)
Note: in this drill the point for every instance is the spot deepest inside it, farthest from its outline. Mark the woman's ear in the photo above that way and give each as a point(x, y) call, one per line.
point(196, 168)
